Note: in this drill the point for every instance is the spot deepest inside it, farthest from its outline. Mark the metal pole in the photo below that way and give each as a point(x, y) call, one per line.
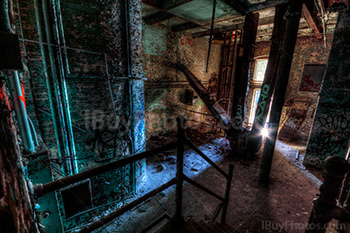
point(227, 193)
point(16, 88)
point(59, 92)
point(42, 189)
point(63, 70)
point(293, 17)
point(5, 24)
point(46, 76)
point(181, 121)
point(211, 34)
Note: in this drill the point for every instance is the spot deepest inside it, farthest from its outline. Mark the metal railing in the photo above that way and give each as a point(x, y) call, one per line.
point(182, 140)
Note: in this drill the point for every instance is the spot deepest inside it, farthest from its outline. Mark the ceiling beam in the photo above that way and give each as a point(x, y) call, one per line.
point(170, 4)
point(310, 21)
point(265, 5)
point(152, 2)
point(263, 21)
point(157, 17)
point(165, 4)
point(184, 26)
point(237, 5)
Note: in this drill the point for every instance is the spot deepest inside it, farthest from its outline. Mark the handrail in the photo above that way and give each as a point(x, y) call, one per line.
point(199, 152)
point(198, 185)
point(42, 189)
point(182, 139)
point(102, 221)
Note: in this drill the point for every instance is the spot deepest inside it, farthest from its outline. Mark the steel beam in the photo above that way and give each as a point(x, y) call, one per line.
point(236, 27)
point(267, 88)
point(245, 56)
point(292, 25)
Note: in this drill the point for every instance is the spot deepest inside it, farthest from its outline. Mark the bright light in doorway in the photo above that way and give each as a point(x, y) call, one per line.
point(265, 132)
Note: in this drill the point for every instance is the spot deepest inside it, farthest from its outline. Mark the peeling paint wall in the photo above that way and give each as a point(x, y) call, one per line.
point(165, 85)
point(16, 202)
point(308, 50)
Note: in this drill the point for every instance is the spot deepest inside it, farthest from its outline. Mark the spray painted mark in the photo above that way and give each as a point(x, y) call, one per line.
point(238, 119)
point(23, 98)
point(262, 103)
point(187, 42)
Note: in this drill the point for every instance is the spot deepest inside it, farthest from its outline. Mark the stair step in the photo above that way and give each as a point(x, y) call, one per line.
point(228, 228)
point(209, 227)
point(199, 227)
point(224, 228)
point(216, 227)
point(174, 227)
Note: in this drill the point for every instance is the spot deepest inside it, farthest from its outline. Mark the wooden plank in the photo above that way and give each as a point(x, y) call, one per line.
point(312, 24)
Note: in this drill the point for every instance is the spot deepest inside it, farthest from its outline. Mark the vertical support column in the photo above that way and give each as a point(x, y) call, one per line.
point(181, 121)
point(331, 129)
point(245, 56)
point(136, 86)
point(227, 193)
point(267, 88)
point(292, 26)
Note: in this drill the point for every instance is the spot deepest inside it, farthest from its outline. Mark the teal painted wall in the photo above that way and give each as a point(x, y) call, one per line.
point(91, 29)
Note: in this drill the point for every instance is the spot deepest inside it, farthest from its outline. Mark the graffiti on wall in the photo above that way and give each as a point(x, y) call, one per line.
point(262, 102)
point(312, 77)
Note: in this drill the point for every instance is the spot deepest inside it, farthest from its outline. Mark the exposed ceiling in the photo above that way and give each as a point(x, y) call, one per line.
point(194, 16)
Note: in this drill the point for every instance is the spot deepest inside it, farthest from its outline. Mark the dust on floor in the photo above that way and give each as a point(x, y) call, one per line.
point(282, 206)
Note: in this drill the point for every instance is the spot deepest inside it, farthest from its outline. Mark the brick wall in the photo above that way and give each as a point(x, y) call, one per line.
point(15, 199)
point(308, 50)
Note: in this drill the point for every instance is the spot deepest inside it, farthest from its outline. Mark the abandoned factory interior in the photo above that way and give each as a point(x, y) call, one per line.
point(174, 116)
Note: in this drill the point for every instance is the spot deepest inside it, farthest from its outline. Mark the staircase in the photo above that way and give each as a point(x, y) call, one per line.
point(177, 224)
point(213, 106)
point(192, 226)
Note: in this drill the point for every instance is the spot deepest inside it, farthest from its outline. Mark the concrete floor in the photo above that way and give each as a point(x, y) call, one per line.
point(283, 206)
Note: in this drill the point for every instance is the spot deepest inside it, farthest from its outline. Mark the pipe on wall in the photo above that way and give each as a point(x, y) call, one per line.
point(5, 24)
point(63, 68)
point(54, 93)
point(21, 112)
point(16, 88)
